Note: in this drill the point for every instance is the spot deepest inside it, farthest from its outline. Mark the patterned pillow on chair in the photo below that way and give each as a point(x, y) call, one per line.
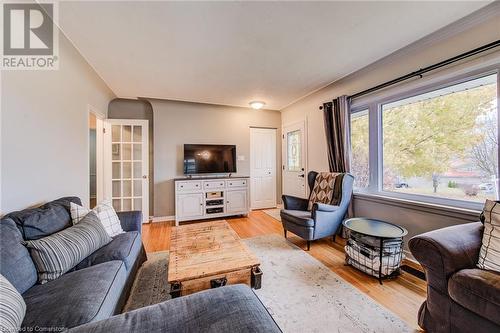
point(324, 189)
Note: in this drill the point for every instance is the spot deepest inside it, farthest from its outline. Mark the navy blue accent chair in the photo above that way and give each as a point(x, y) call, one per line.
point(323, 220)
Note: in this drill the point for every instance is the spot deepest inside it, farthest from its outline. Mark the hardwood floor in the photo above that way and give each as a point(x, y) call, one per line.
point(402, 295)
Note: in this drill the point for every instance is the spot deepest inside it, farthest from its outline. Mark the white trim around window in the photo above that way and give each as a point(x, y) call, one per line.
point(374, 105)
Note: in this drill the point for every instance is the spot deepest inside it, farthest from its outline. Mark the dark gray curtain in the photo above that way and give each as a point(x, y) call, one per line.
point(337, 130)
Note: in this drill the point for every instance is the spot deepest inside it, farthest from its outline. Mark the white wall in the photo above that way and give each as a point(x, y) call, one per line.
point(462, 36)
point(44, 130)
point(177, 123)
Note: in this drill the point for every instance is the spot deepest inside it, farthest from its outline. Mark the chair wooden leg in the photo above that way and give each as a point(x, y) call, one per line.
point(308, 245)
point(333, 238)
point(284, 230)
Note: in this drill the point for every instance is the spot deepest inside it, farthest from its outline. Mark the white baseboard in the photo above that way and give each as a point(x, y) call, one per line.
point(163, 218)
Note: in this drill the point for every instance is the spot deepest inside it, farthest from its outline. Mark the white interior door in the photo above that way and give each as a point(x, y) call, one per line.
point(294, 160)
point(262, 167)
point(127, 164)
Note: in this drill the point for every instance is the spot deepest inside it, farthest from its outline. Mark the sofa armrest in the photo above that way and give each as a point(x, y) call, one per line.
point(445, 251)
point(227, 309)
point(131, 221)
point(294, 203)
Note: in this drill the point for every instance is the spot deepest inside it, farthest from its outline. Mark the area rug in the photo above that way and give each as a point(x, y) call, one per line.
point(303, 295)
point(300, 292)
point(274, 213)
point(150, 285)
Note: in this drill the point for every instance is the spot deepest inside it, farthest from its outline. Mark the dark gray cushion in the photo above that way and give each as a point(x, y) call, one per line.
point(227, 309)
point(15, 261)
point(300, 217)
point(56, 254)
point(45, 220)
point(125, 247)
point(477, 290)
point(76, 298)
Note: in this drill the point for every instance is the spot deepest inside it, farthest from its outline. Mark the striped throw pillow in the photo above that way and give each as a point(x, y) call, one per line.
point(56, 254)
point(104, 211)
point(489, 255)
point(12, 307)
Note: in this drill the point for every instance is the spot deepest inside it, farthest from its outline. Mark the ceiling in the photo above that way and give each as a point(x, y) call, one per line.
point(234, 52)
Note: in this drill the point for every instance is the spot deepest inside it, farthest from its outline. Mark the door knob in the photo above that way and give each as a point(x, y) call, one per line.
point(144, 177)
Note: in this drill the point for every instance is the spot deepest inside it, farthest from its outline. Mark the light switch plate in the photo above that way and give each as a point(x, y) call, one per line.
point(241, 157)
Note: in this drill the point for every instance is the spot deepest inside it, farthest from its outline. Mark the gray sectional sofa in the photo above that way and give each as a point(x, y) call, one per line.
point(89, 297)
point(95, 289)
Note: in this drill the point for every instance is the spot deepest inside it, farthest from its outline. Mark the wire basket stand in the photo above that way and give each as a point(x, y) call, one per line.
point(376, 256)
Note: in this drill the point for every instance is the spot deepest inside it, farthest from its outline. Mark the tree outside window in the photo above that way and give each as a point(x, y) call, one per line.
point(443, 143)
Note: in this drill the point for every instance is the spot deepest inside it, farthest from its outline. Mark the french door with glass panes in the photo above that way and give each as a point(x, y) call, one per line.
point(126, 148)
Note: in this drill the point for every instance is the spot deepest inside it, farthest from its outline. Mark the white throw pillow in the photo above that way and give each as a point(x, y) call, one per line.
point(489, 256)
point(104, 211)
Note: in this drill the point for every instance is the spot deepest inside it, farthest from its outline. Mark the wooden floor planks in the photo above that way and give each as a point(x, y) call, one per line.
point(402, 296)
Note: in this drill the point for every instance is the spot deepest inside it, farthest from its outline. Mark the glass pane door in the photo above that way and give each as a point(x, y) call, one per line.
point(294, 160)
point(128, 185)
point(294, 150)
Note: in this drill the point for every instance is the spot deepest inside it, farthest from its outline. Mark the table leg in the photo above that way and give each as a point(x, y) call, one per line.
point(381, 255)
point(175, 289)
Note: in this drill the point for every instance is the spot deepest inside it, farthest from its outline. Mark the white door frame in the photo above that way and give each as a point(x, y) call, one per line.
point(275, 176)
point(145, 161)
point(284, 153)
point(100, 117)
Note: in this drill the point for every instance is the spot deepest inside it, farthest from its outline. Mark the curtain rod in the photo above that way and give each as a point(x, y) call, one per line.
point(427, 69)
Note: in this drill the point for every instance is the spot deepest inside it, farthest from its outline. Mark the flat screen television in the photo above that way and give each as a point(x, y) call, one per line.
point(200, 158)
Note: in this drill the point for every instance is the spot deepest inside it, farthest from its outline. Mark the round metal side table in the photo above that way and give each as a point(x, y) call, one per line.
point(384, 233)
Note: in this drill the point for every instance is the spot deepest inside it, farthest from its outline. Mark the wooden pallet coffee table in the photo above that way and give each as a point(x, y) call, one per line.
point(209, 255)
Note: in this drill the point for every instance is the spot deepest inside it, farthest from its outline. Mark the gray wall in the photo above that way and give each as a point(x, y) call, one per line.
point(177, 123)
point(460, 37)
point(121, 108)
point(44, 130)
point(416, 219)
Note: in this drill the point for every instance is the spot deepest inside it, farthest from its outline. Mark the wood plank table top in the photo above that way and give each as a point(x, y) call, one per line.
point(204, 249)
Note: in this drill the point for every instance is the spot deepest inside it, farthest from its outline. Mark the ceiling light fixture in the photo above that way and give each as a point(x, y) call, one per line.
point(257, 105)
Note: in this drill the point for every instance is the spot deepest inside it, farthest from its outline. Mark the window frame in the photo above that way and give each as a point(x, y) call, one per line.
point(355, 111)
point(375, 114)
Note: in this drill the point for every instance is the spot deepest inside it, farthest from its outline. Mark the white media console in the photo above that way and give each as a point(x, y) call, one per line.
point(203, 198)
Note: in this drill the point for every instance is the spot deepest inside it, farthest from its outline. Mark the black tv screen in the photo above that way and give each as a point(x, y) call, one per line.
point(209, 159)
